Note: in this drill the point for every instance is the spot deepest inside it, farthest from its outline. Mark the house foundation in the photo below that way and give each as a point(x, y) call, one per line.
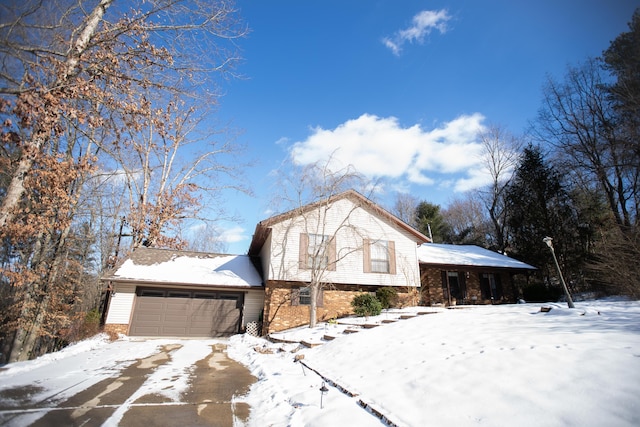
point(283, 312)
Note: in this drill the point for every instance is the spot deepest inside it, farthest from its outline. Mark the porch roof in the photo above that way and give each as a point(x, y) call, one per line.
point(467, 255)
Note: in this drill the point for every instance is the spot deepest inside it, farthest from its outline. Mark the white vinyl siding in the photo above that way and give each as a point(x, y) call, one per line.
point(253, 305)
point(121, 304)
point(349, 237)
point(265, 259)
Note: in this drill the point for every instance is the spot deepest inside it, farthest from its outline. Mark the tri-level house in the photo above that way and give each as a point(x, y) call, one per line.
point(327, 252)
point(347, 244)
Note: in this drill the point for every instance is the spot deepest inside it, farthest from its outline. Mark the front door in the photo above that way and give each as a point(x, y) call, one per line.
point(453, 287)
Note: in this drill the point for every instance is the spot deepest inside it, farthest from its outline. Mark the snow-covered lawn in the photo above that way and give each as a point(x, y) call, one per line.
point(486, 365)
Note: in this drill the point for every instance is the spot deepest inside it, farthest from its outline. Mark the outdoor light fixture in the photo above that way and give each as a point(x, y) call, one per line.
point(323, 390)
point(549, 242)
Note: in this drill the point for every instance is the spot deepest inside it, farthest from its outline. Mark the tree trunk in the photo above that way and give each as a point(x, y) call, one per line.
point(26, 336)
point(17, 346)
point(6, 348)
point(33, 333)
point(313, 288)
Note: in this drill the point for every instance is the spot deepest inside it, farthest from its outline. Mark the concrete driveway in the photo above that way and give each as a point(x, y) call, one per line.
point(213, 385)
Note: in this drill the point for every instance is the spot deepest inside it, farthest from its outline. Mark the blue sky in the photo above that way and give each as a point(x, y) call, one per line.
point(397, 88)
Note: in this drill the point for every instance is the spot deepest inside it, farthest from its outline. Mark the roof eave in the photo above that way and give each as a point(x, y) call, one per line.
point(151, 282)
point(264, 225)
point(474, 266)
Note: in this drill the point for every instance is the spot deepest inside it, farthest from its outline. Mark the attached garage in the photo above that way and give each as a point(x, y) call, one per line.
point(164, 293)
point(180, 313)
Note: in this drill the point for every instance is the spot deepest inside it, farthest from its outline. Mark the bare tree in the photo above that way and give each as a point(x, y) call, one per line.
point(311, 191)
point(500, 156)
point(405, 207)
point(206, 239)
point(173, 169)
point(77, 86)
point(467, 221)
point(48, 107)
point(594, 143)
point(577, 119)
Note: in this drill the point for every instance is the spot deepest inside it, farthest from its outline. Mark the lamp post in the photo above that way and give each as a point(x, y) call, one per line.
point(549, 242)
point(323, 390)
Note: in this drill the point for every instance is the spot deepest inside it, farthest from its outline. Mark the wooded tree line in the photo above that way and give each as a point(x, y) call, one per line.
point(100, 104)
point(574, 177)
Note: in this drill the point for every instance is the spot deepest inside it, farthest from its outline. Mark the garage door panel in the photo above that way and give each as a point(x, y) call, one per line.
point(175, 319)
point(150, 303)
point(226, 316)
point(202, 305)
point(149, 317)
point(176, 312)
point(178, 306)
point(156, 315)
point(168, 331)
point(202, 331)
point(150, 331)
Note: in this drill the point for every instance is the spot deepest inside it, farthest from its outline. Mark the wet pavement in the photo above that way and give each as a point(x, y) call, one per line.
point(215, 383)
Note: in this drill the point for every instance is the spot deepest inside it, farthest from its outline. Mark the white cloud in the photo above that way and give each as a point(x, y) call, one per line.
point(282, 141)
point(421, 26)
point(233, 235)
point(380, 147)
point(475, 178)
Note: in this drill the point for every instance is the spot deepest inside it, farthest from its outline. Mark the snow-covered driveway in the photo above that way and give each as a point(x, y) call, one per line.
point(96, 383)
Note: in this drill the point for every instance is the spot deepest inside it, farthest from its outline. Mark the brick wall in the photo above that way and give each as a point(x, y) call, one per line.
point(116, 328)
point(431, 282)
point(432, 293)
point(280, 314)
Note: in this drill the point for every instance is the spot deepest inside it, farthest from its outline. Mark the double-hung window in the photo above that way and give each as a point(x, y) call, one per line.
point(379, 256)
point(317, 252)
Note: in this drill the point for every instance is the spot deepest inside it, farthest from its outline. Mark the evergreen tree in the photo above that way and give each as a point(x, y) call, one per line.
point(431, 222)
point(539, 206)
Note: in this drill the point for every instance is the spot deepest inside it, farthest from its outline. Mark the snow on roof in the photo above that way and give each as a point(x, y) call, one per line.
point(190, 268)
point(470, 255)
